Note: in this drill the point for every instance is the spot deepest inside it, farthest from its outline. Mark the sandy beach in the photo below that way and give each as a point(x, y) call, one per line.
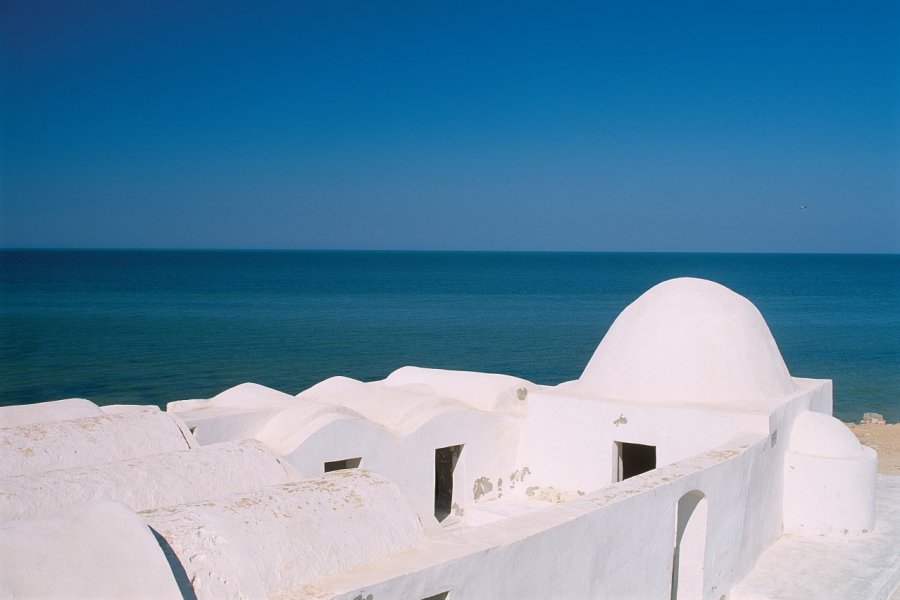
point(885, 439)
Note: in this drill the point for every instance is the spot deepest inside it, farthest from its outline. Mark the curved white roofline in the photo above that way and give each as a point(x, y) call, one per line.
point(288, 535)
point(96, 551)
point(485, 391)
point(46, 412)
point(293, 425)
point(689, 341)
point(818, 434)
point(250, 395)
point(90, 441)
point(400, 409)
point(147, 481)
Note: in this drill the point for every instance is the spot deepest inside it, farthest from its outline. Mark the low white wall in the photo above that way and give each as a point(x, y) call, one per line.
point(45, 412)
point(90, 441)
point(146, 482)
point(278, 538)
point(614, 543)
point(98, 551)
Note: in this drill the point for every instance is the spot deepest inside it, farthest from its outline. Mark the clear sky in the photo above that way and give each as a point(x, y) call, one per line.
point(620, 126)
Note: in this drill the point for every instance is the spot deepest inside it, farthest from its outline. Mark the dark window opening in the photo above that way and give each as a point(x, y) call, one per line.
point(338, 465)
point(445, 460)
point(634, 459)
point(441, 596)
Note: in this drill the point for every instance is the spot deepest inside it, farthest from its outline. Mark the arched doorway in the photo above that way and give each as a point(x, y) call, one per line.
point(690, 547)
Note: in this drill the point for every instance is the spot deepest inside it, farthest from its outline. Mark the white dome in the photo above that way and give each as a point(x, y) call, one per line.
point(817, 434)
point(688, 341)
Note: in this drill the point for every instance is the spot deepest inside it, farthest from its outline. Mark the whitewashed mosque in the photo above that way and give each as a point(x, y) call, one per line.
point(680, 456)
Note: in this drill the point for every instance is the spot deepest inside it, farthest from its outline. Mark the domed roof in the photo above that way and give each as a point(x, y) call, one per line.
point(817, 434)
point(688, 341)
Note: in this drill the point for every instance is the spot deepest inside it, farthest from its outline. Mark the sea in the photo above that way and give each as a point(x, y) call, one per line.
point(155, 326)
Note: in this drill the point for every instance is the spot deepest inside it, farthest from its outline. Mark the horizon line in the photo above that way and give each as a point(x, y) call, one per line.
point(424, 251)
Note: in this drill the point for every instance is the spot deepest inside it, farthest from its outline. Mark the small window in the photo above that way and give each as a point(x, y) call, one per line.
point(634, 459)
point(441, 596)
point(339, 465)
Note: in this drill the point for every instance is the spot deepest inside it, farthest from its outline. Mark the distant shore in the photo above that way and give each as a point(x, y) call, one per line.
point(884, 439)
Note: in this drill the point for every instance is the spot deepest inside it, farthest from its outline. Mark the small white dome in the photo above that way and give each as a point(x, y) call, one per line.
point(688, 341)
point(817, 434)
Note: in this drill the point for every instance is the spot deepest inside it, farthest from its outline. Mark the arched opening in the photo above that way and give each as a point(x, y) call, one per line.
point(690, 547)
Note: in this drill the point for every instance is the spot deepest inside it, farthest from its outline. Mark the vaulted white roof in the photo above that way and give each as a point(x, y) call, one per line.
point(688, 341)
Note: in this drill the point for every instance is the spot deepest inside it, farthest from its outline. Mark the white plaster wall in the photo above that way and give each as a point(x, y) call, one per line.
point(146, 482)
point(89, 441)
point(276, 539)
point(829, 478)
point(568, 442)
point(99, 551)
point(829, 496)
point(614, 543)
point(330, 436)
point(44, 412)
point(489, 453)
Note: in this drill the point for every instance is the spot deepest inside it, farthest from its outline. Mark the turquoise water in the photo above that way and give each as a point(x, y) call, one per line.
point(150, 327)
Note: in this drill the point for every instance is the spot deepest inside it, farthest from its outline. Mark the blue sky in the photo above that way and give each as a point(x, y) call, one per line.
point(612, 126)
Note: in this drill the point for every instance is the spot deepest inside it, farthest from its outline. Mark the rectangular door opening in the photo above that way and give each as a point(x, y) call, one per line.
point(339, 465)
point(634, 459)
point(445, 460)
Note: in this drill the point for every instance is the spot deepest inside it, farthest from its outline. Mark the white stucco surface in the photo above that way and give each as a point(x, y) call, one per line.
point(614, 543)
point(278, 538)
point(309, 434)
point(400, 408)
point(689, 341)
point(817, 434)
point(237, 413)
point(829, 479)
point(98, 551)
point(146, 482)
point(799, 567)
point(90, 441)
point(251, 395)
point(44, 412)
point(484, 391)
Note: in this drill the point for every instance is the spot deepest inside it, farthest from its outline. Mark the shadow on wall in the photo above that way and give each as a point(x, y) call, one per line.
point(181, 576)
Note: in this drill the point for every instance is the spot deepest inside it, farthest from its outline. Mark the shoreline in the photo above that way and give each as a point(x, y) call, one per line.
point(884, 438)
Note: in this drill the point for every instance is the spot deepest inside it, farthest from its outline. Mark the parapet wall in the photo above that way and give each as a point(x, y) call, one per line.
point(614, 543)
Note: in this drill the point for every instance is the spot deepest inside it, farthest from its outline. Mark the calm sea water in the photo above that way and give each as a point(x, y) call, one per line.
point(150, 327)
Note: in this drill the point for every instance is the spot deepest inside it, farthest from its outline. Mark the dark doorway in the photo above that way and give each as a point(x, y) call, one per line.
point(634, 459)
point(338, 465)
point(445, 460)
